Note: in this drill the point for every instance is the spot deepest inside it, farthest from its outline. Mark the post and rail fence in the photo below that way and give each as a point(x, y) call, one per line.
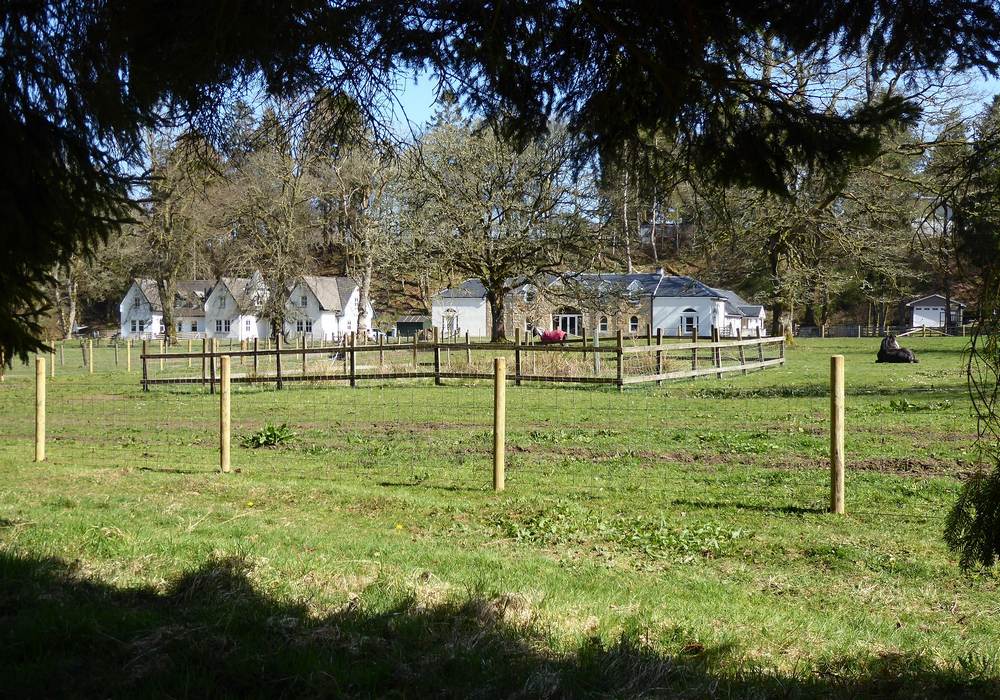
point(640, 359)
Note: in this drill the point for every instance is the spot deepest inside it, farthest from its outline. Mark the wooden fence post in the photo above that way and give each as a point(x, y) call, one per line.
point(437, 358)
point(659, 355)
point(620, 361)
point(90, 354)
point(83, 352)
point(517, 356)
point(211, 366)
point(3, 367)
point(649, 334)
point(161, 352)
point(859, 330)
point(694, 351)
point(760, 346)
point(52, 362)
point(39, 409)
point(303, 355)
point(189, 352)
point(837, 434)
point(354, 359)
point(414, 351)
point(277, 360)
point(583, 334)
point(499, 421)
point(381, 350)
point(716, 351)
point(468, 350)
point(145, 368)
point(597, 354)
point(224, 414)
point(743, 355)
point(256, 349)
point(116, 353)
point(62, 353)
point(204, 357)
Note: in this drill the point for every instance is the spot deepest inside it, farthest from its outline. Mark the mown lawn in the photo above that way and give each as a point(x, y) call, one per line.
point(660, 541)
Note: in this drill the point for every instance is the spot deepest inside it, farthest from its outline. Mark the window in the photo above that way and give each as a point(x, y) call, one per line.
point(142, 326)
point(530, 295)
point(247, 325)
point(136, 301)
point(218, 325)
point(348, 325)
point(163, 329)
point(226, 325)
point(303, 301)
point(689, 321)
point(180, 326)
point(309, 326)
point(133, 325)
point(299, 326)
point(603, 325)
point(633, 324)
point(194, 326)
point(222, 302)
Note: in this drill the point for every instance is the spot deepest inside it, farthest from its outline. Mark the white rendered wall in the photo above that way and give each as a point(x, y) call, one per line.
point(471, 315)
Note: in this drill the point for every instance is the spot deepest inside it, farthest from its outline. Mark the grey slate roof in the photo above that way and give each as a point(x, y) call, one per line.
point(642, 283)
point(469, 289)
point(189, 300)
point(924, 298)
point(332, 293)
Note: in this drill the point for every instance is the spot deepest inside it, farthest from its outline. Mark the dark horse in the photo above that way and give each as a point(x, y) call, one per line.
point(892, 352)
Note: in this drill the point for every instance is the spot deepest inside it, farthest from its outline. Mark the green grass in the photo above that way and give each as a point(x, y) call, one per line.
point(667, 540)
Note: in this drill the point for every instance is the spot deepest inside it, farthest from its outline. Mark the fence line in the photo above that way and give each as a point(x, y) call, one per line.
point(642, 362)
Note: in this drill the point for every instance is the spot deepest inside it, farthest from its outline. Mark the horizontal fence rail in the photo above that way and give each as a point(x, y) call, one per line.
point(617, 361)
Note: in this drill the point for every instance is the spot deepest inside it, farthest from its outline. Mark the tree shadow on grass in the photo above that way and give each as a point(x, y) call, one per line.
point(211, 633)
point(760, 507)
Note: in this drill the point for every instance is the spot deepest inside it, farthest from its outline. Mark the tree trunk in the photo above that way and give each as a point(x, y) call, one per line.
point(628, 243)
point(364, 292)
point(71, 299)
point(167, 287)
point(495, 299)
point(652, 231)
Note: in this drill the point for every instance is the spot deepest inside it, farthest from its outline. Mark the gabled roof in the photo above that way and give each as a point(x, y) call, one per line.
point(955, 302)
point(332, 293)
point(244, 291)
point(469, 289)
point(189, 296)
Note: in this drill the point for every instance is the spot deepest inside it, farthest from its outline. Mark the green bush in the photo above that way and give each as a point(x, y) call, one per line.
point(268, 436)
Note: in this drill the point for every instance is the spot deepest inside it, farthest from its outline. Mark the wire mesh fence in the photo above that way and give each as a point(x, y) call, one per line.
point(649, 447)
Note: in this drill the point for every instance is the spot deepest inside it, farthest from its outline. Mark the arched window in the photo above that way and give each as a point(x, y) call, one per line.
point(689, 321)
point(633, 324)
point(603, 325)
point(450, 319)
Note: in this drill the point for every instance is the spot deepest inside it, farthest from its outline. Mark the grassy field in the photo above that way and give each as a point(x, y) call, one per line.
point(661, 541)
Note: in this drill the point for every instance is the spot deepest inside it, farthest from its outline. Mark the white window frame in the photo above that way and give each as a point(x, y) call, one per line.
point(133, 325)
point(303, 301)
point(299, 326)
point(309, 325)
point(689, 320)
point(142, 325)
point(194, 326)
point(227, 326)
point(247, 325)
point(633, 324)
point(218, 325)
point(602, 325)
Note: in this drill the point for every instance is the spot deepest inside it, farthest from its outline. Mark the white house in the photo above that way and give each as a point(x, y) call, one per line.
point(462, 309)
point(141, 311)
point(674, 304)
point(232, 310)
point(929, 311)
point(323, 308)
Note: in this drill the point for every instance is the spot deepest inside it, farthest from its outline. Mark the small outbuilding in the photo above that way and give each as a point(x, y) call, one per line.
point(409, 326)
point(929, 312)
